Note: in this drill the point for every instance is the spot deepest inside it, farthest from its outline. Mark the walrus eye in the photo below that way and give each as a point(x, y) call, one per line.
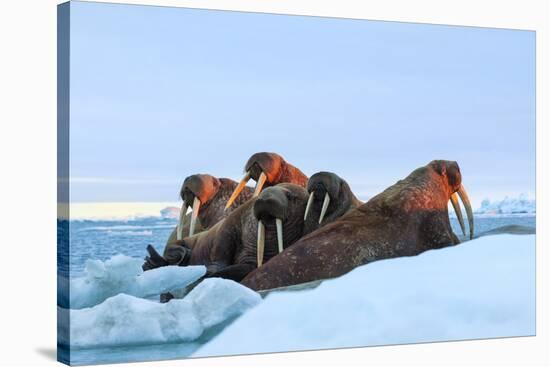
point(467, 205)
point(238, 189)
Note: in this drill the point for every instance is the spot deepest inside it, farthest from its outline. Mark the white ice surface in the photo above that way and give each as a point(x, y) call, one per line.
point(480, 289)
point(123, 274)
point(125, 320)
point(521, 204)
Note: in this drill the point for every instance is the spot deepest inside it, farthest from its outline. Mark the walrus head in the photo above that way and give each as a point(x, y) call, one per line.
point(451, 176)
point(279, 211)
point(330, 197)
point(196, 190)
point(267, 169)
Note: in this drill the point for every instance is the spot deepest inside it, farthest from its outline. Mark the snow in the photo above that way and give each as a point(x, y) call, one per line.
point(522, 204)
point(123, 274)
point(480, 289)
point(125, 320)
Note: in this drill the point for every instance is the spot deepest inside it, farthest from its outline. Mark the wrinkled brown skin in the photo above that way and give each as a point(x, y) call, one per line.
point(404, 220)
point(228, 249)
point(276, 169)
point(213, 193)
point(342, 199)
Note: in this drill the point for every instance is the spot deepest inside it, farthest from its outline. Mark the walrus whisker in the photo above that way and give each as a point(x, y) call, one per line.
point(261, 243)
point(469, 213)
point(326, 201)
point(458, 212)
point(309, 202)
point(194, 215)
point(238, 189)
point(260, 184)
point(279, 224)
point(183, 211)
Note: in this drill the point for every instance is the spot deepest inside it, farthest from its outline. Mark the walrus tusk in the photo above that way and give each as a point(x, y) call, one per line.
point(261, 243)
point(309, 202)
point(194, 215)
point(260, 184)
point(183, 211)
point(469, 213)
point(279, 224)
point(325, 207)
point(458, 212)
point(238, 189)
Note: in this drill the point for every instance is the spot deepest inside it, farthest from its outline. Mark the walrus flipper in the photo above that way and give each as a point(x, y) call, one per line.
point(177, 253)
point(154, 260)
point(235, 272)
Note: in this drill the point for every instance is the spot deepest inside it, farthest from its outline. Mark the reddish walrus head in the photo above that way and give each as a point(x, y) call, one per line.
point(268, 169)
point(206, 195)
point(404, 220)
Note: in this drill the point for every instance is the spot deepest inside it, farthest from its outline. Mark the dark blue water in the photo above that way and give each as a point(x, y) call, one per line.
point(104, 239)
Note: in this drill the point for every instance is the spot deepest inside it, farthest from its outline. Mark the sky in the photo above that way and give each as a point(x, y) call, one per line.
point(160, 93)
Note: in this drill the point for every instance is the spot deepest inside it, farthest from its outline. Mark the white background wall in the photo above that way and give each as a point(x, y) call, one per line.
point(28, 180)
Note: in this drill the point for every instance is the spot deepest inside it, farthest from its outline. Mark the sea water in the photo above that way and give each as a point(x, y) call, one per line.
point(103, 239)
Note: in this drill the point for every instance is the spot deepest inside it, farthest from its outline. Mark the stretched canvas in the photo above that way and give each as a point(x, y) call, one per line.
point(236, 183)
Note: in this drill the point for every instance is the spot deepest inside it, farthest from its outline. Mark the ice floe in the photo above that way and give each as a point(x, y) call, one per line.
point(125, 320)
point(480, 289)
point(123, 274)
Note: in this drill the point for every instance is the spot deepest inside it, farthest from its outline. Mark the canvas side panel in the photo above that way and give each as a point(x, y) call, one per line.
point(63, 136)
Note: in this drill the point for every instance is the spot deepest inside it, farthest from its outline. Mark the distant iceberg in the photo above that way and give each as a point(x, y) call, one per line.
point(520, 205)
point(170, 212)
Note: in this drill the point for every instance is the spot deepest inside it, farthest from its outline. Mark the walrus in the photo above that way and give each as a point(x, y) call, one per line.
point(330, 197)
point(207, 195)
point(406, 219)
point(247, 238)
point(319, 210)
point(268, 169)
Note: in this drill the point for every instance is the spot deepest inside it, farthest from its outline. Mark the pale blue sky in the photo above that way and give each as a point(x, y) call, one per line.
point(160, 93)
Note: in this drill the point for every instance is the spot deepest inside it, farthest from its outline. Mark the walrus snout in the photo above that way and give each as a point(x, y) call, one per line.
point(322, 186)
point(263, 168)
point(196, 190)
point(272, 203)
point(203, 186)
point(450, 170)
point(263, 162)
